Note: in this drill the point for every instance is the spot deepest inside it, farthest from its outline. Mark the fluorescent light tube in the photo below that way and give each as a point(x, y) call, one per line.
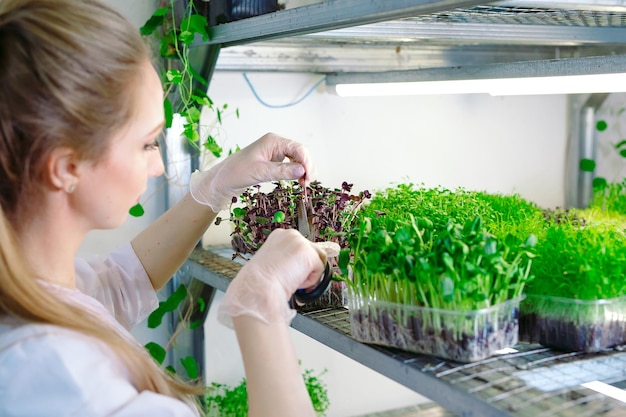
point(570, 84)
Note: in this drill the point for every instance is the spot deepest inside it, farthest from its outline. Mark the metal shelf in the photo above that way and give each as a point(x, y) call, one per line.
point(397, 35)
point(512, 384)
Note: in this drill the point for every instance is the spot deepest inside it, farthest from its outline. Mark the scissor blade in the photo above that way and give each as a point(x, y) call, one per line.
point(303, 221)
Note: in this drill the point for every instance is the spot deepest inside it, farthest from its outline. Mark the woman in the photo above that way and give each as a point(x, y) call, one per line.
point(80, 111)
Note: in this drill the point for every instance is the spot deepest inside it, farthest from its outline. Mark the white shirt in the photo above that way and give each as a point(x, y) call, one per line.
point(51, 371)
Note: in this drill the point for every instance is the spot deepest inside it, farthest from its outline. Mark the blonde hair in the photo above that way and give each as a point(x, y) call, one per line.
point(67, 68)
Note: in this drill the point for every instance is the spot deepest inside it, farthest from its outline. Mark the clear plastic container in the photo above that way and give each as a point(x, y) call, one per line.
point(463, 336)
point(571, 324)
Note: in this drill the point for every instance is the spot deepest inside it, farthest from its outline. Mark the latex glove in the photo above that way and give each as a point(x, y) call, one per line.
point(287, 261)
point(261, 161)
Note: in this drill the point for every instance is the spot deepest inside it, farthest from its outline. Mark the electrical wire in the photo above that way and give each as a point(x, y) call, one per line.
point(281, 106)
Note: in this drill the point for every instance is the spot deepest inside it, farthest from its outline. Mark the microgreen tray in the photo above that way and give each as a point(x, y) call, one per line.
point(463, 336)
point(572, 324)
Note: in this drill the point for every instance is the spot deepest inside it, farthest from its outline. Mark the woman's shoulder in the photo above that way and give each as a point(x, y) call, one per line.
point(46, 368)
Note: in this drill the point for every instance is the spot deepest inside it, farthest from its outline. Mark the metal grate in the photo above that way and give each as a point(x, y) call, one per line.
point(505, 381)
point(528, 16)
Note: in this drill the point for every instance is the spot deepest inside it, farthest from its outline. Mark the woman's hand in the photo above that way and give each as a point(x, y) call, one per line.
point(261, 161)
point(262, 288)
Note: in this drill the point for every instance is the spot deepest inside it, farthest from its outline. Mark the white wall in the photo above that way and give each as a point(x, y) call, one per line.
point(504, 144)
point(497, 144)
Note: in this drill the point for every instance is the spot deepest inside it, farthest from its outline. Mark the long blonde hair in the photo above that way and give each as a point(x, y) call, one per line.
point(67, 68)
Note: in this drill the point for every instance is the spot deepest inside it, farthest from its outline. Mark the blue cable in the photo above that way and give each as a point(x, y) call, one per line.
point(281, 106)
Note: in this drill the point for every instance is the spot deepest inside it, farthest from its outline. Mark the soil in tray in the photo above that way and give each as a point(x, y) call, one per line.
point(566, 335)
point(415, 337)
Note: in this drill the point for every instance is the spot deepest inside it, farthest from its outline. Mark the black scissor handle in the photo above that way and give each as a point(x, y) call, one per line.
point(305, 297)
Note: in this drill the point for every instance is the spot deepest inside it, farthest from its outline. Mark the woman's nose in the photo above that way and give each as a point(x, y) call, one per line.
point(155, 164)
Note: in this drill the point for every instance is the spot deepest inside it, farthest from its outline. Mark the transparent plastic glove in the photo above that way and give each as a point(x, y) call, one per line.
point(261, 161)
point(262, 288)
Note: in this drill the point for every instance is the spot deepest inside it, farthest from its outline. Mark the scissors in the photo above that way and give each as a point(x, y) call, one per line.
point(303, 296)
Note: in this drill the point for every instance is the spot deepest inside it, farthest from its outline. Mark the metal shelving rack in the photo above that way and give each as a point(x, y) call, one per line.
point(440, 38)
point(511, 384)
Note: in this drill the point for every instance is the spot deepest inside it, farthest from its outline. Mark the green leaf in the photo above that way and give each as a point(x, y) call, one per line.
point(136, 210)
point(154, 22)
point(167, 46)
point(195, 324)
point(168, 111)
point(201, 304)
point(174, 76)
point(156, 351)
point(170, 368)
point(193, 115)
point(186, 37)
point(239, 212)
point(174, 300)
point(599, 183)
point(601, 125)
point(191, 366)
point(202, 101)
point(447, 288)
point(198, 77)
point(212, 146)
point(587, 165)
point(344, 260)
point(279, 217)
point(196, 23)
point(156, 317)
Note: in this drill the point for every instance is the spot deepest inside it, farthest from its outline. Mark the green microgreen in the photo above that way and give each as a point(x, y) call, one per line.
point(443, 249)
point(226, 401)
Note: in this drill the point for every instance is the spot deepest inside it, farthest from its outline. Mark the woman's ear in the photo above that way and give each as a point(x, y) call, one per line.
point(63, 169)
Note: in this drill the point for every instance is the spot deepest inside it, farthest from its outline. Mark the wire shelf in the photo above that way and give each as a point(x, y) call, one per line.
point(529, 381)
point(515, 15)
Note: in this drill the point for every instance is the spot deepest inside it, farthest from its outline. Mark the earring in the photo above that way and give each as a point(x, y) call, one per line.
point(70, 188)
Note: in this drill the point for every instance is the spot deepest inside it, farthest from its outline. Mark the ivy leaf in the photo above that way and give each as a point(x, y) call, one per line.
point(174, 300)
point(192, 115)
point(186, 37)
point(599, 183)
point(212, 146)
point(174, 76)
point(170, 368)
point(168, 111)
point(156, 317)
point(170, 304)
point(587, 165)
point(191, 366)
point(156, 351)
point(136, 210)
point(195, 324)
point(201, 304)
point(193, 24)
point(601, 125)
point(154, 22)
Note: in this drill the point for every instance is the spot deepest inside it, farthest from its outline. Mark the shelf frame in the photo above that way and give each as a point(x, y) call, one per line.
point(489, 388)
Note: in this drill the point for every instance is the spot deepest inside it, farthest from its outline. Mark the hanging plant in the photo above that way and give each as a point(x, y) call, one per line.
point(185, 88)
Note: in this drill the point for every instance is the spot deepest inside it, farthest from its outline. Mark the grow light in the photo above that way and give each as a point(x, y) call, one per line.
point(573, 84)
point(559, 76)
